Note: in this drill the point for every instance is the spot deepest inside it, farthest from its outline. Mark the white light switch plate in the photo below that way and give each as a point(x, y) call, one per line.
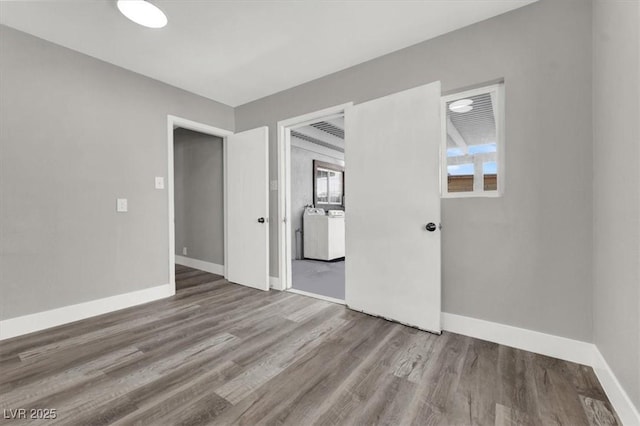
point(159, 182)
point(121, 205)
point(273, 185)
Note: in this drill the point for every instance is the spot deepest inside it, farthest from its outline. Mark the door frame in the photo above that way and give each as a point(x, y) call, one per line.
point(284, 128)
point(172, 123)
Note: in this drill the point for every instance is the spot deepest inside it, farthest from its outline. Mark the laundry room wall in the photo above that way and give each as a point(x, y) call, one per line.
point(302, 182)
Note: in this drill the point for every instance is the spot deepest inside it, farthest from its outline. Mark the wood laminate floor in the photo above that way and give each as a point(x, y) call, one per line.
point(220, 353)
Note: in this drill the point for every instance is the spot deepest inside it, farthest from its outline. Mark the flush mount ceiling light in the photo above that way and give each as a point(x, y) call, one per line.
point(142, 12)
point(463, 105)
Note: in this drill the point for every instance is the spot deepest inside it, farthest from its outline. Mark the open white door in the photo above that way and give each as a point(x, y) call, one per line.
point(247, 200)
point(392, 158)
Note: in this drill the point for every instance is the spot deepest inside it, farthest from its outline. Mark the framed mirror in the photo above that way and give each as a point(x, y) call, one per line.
point(328, 185)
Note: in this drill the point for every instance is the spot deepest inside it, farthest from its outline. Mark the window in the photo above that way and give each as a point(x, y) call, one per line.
point(472, 143)
point(328, 184)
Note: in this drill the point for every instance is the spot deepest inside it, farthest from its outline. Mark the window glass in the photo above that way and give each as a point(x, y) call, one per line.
point(471, 141)
point(329, 186)
point(322, 186)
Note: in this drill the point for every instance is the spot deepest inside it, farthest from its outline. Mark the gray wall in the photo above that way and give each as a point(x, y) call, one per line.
point(302, 184)
point(76, 134)
point(199, 196)
point(616, 208)
point(523, 259)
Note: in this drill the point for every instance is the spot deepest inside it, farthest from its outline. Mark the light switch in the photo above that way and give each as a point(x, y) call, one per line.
point(159, 182)
point(273, 185)
point(121, 205)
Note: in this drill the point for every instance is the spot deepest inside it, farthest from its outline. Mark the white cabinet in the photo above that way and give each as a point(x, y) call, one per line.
point(323, 236)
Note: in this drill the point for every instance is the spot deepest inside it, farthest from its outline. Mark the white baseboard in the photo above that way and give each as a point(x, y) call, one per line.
point(18, 326)
point(274, 282)
point(213, 268)
point(521, 338)
point(550, 345)
point(620, 400)
point(316, 296)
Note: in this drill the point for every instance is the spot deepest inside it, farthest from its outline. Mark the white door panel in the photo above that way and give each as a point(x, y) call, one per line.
point(247, 201)
point(392, 168)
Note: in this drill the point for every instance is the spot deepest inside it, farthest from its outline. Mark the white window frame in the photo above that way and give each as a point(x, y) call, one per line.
point(498, 112)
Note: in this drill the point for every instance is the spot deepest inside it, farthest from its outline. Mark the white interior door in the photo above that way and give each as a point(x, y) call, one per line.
point(247, 200)
point(392, 167)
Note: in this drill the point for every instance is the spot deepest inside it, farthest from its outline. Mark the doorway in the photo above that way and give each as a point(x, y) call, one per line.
point(199, 200)
point(312, 195)
point(318, 208)
point(245, 233)
point(391, 200)
point(174, 123)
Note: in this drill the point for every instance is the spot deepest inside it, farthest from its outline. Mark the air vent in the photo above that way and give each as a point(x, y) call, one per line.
point(329, 128)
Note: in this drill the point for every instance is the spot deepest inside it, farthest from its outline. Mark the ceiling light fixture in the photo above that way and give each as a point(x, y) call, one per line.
point(462, 105)
point(142, 12)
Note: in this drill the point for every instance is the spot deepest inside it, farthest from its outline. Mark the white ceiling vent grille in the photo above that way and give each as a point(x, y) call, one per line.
point(329, 128)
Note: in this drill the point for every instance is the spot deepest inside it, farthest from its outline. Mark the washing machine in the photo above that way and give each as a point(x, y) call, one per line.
point(323, 234)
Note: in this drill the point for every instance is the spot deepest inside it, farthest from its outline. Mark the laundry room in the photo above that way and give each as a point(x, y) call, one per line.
point(318, 208)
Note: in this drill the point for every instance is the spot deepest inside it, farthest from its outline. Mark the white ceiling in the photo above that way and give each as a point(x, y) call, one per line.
point(238, 51)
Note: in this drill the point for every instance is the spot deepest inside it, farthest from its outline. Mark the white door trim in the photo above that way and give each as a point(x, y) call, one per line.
point(284, 128)
point(172, 123)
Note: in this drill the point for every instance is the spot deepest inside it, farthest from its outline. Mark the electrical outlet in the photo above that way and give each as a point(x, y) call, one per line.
point(184, 251)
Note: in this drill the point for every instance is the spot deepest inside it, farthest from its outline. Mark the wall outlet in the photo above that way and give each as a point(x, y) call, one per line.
point(159, 182)
point(184, 251)
point(122, 205)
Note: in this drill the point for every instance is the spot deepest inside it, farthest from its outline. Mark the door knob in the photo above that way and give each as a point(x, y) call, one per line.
point(261, 220)
point(430, 227)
